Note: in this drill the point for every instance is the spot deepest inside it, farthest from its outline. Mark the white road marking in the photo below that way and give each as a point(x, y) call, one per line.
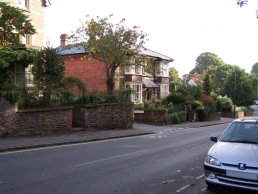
point(183, 188)
point(104, 159)
point(199, 177)
point(204, 189)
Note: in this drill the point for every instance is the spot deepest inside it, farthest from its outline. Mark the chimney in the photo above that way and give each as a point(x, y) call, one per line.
point(64, 40)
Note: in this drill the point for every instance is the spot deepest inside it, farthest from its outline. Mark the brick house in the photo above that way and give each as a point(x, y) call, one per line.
point(92, 72)
point(35, 10)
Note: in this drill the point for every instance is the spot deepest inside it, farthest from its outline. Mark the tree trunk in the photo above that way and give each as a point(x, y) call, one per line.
point(110, 85)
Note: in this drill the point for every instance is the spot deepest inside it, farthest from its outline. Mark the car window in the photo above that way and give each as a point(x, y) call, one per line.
point(242, 132)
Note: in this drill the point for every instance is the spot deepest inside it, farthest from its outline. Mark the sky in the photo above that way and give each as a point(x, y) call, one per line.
point(180, 29)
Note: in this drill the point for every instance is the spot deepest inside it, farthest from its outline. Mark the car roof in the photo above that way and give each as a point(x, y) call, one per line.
point(247, 119)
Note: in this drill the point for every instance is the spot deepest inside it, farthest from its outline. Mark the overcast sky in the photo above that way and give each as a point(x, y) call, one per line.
point(181, 29)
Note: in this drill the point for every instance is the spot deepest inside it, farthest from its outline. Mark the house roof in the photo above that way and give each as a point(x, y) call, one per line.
point(154, 54)
point(148, 83)
point(71, 49)
point(74, 49)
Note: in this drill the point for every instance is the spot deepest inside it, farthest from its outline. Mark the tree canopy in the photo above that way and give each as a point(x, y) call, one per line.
point(13, 24)
point(254, 70)
point(238, 87)
point(114, 44)
point(205, 61)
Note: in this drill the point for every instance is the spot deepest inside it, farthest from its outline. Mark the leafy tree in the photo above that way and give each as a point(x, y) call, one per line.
point(218, 75)
point(238, 87)
point(13, 24)
point(207, 86)
point(254, 70)
point(115, 45)
point(174, 79)
point(48, 72)
point(205, 61)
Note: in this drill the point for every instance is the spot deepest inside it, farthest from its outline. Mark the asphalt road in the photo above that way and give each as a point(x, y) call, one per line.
point(167, 162)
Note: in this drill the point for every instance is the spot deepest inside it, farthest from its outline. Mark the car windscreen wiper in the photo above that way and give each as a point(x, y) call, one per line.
point(241, 141)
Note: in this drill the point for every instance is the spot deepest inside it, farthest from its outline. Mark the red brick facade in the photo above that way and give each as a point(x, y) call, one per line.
point(90, 71)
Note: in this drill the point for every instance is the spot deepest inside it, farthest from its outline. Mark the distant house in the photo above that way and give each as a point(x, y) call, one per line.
point(193, 79)
point(35, 10)
point(92, 72)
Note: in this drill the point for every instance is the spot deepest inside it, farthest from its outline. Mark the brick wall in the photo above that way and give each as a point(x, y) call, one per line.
point(106, 116)
point(32, 122)
point(152, 116)
point(90, 71)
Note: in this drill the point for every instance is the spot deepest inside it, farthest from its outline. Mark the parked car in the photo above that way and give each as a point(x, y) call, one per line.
point(233, 160)
point(256, 102)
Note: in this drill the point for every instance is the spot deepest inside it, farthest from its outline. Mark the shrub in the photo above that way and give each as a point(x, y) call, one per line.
point(226, 103)
point(208, 102)
point(195, 104)
point(178, 117)
point(148, 106)
point(175, 98)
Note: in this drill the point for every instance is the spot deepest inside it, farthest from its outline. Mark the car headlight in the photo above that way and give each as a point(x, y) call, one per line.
point(212, 161)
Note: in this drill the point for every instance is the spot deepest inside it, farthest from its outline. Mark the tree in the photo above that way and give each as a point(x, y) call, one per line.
point(205, 61)
point(207, 86)
point(218, 75)
point(174, 79)
point(254, 70)
point(13, 24)
point(115, 45)
point(48, 72)
point(238, 87)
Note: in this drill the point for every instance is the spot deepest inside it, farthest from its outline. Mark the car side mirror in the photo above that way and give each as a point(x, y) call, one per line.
point(215, 139)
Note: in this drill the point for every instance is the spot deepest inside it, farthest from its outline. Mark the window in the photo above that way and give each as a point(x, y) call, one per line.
point(164, 90)
point(26, 40)
point(129, 69)
point(24, 4)
point(136, 95)
point(138, 70)
point(29, 76)
point(18, 74)
point(161, 69)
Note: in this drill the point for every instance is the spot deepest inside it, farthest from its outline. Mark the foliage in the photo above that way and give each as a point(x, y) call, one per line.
point(207, 86)
point(254, 70)
point(208, 102)
point(190, 92)
point(238, 87)
point(226, 103)
point(48, 72)
point(8, 58)
point(13, 24)
point(148, 105)
point(174, 80)
point(178, 117)
point(196, 104)
point(175, 98)
point(205, 61)
point(115, 45)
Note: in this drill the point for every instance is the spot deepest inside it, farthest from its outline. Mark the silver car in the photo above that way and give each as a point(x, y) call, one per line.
point(233, 159)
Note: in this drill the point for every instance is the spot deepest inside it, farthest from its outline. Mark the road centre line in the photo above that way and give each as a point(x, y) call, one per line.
point(183, 188)
point(109, 158)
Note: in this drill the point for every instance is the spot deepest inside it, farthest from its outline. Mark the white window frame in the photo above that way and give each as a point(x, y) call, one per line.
point(138, 70)
point(164, 90)
point(24, 4)
point(129, 70)
point(162, 69)
point(136, 94)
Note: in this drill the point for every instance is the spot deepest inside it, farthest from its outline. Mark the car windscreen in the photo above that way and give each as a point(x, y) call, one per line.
point(241, 132)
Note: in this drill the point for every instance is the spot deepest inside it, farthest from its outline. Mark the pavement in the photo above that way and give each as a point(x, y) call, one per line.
point(80, 136)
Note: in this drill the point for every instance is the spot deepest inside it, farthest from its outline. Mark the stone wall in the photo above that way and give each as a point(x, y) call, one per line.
point(230, 114)
point(106, 116)
point(152, 116)
point(31, 122)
